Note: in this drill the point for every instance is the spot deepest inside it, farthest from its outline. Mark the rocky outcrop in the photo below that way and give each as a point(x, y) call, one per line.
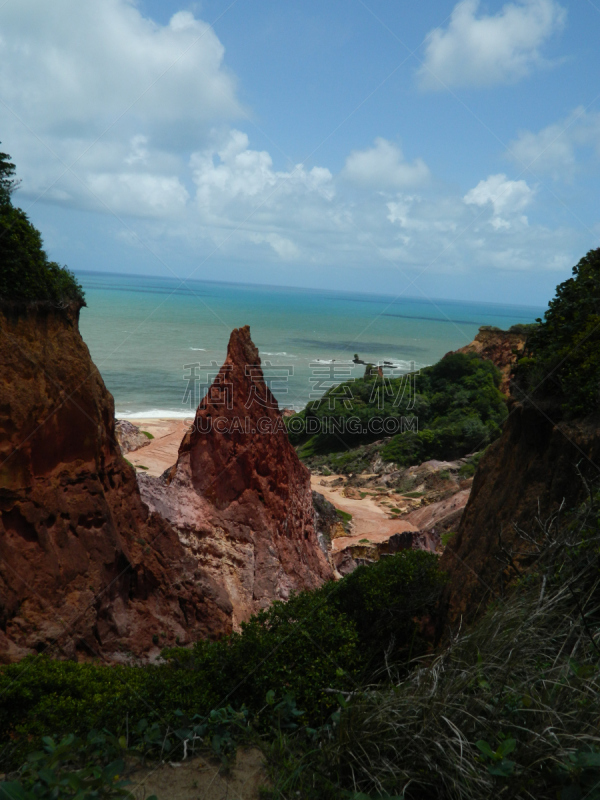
point(525, 475)
point(85, 570)
point(441, 515)
point(362, 553)
point(328, 525)
point(238, 495)
point(129, 436)
point(501, 347)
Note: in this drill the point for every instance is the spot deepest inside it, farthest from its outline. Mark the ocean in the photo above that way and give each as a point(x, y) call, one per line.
point(158, 343)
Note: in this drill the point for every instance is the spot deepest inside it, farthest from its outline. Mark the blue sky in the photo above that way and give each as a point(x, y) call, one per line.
point(434, 149)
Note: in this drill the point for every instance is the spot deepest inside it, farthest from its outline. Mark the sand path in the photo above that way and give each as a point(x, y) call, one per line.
point(369, 520)
point(161, 453)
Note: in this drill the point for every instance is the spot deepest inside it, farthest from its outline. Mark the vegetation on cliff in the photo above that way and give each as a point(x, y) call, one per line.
point(456, 402)
point(562, 359)
point(322, 641)
point(26, 273)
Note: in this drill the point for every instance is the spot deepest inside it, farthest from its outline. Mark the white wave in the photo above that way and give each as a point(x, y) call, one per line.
point(156, 413)
point(329, 361)
point(405, 366)
point(264, 353)
point(198, 348)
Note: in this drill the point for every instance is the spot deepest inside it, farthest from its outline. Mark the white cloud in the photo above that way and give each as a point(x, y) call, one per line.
point(383, 167)
point(284, 248)
point(75, 67)
point(439, 233)
point(98, 87)
point(556, 149)
point(506, 197)
point(139, 152)
point(231, 169)
point(138, 194)
point(233, 181)
point(143, 113)
point(399, 211)
point(487, 50)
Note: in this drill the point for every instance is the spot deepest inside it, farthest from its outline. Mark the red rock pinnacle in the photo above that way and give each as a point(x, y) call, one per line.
point(239, 495)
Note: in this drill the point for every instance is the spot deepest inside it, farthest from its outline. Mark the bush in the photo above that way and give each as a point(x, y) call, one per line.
point(468, 469)
point(326, 639)
point(300, 647)
point(462, 410)
point(389, 603)
point(81, 769)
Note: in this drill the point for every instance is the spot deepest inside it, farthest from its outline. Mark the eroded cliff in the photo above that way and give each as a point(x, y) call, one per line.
point(501, 347)
point(84, 568)
point(536, 465)
point(238, 495)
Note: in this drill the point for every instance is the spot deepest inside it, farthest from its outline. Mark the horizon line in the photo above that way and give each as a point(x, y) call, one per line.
point(394, 298)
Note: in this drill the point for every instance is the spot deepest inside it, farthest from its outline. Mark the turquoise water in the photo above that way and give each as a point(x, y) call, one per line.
point(146, 333)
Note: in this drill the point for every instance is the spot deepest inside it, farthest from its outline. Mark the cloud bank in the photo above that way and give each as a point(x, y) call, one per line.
point(109, 112)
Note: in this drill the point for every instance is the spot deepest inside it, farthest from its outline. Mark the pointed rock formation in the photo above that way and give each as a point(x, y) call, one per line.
point(238, 495)
point(84, 569)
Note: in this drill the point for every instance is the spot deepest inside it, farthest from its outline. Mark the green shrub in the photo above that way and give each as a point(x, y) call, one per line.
point(300, 647)
point(468, 470)
point(447, 537)
point(326, 639)
point(387, 601)
point(81, 769)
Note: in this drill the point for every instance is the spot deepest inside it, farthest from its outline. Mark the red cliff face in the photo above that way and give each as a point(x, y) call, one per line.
point(238, 494)
point(525, 474)
point(84, 569)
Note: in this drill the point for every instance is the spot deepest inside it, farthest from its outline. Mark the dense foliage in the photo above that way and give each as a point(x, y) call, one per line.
point(457, 404)
point(332, 638)
point(72, 769)
point(26, 273)
point(562, 359)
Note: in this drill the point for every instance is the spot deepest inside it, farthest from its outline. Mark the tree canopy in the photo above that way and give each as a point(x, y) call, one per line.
point(456, 403)
point(26, 273)
point(8, 182)
point(562, 359)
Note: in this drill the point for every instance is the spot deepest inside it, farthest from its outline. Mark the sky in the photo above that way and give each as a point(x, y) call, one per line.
point(439, 149)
